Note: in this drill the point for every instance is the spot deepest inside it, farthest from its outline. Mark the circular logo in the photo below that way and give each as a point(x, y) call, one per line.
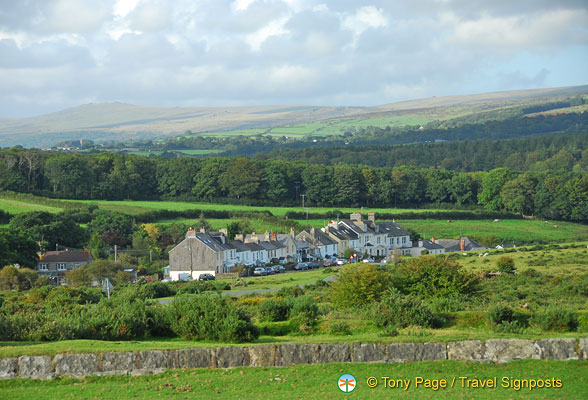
point(346, 383)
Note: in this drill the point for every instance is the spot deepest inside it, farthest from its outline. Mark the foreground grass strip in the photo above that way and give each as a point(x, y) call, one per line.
point(320, 381)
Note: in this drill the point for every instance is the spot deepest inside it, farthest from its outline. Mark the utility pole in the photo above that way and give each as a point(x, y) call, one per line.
point(115, 253)
point(303, 196)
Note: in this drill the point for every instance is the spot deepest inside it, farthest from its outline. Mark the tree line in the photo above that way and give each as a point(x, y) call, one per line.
point(556, 188)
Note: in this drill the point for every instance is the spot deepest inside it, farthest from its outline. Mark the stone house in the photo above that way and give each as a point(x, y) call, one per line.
point(55, 264)
point(321, 245)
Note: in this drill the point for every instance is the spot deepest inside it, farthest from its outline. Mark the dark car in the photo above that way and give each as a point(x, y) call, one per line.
point(313, 265)
point(206, 277)
point(329, 263)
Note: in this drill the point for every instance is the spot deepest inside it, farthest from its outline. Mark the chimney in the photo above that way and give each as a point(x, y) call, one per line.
point(355, 217)
point(333, 224)
point(372, 217)
point(433, 239)
point(191, 233)
point(202, 229)
point(274, 236)
point(239, 236)
point(420, 243)
point(267, 236)
point(312, 233)
point(462, 245)
point(254, 238)
point(292, 233)
point(224, 230)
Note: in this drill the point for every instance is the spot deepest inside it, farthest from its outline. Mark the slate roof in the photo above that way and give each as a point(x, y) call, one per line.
point(392, 229)
point(429, 245)
point(451, 245)
point(66, 256)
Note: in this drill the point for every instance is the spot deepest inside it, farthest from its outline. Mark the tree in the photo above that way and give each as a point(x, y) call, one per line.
point(242, 178)
point(114, 228)
point(517, 195)
point(492, 184)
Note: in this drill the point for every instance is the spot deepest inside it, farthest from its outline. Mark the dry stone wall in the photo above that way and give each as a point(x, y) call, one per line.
point(287, 354)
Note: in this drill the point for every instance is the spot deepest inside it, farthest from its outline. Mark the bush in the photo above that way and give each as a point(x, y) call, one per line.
point(340, 328)
point(557, 319)
point(358, 285)
point(280, 328)
point(155, 290)
point(430, 276)
point(502, 318)
point(402, 311)
point(446, 304)
point(505, 265)
point(275, 309)
point(304, 311)
point(208, 317)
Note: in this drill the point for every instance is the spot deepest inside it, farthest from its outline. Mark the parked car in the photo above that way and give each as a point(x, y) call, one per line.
point(301, 266)
point(341, 261)
point(368, 260)
point(270, 270)
point(279, 269)
point(260, 271)
point(274, 260)
point(166, 280)
point(313, 265)
point(206, 277)
point(330, 263)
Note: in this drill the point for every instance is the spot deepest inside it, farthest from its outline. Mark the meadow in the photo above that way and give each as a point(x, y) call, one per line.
point(314, 381)
point(17, 206)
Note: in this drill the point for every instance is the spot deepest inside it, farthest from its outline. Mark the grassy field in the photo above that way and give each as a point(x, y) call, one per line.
point(144, 206)
point(18, 206)
point(317, 381)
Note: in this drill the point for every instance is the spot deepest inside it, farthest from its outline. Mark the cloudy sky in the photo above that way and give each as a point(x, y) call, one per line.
point(61, 53)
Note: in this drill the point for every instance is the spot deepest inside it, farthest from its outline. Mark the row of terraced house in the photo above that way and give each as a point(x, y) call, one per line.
point(212, 252)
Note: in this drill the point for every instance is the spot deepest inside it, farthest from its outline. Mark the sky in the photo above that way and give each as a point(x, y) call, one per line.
point(56, 54)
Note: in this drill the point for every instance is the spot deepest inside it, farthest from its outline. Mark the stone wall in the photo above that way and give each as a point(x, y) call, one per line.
point(284, 355)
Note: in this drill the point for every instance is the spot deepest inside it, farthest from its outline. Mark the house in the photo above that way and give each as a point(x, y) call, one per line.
point(289, 243)
point(368, 237)
point(201, 252)
point(429, 245)
point(54, 264)
point(320, 244)
point(462, 244)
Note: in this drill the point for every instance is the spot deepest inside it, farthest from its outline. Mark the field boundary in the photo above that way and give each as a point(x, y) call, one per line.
point(288, 354)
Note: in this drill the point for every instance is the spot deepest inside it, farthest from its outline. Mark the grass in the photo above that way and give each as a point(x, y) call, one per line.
point(510, 230)
point(19, 206)
point(144, 206)
point(315, 381)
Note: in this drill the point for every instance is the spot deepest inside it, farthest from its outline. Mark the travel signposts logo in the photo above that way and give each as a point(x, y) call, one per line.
point(347, 383)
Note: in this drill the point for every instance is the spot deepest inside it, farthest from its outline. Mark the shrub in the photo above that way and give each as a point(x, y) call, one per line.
point(502, 318)
point(275, 309)
point(206, 317)
point(557, 319)
point(402, 311)
point(359, 285)
point(430, 276)
point(505, 265)
point(340, 328)
point(304, 311)
point(280, 328)
point(446, 304)
point(155, 290)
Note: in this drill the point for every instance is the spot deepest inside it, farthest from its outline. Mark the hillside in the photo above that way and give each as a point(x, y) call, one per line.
point(119, 121)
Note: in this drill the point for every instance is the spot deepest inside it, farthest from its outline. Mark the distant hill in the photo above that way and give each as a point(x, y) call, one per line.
point(119, 121)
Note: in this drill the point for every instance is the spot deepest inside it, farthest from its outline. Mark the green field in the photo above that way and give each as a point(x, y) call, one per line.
point(317, 381)
point(136, 207)
point(19, 206)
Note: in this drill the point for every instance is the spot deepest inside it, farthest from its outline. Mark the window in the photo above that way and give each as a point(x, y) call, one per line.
point(61, 266)
point(43, 267)
point(403, 239)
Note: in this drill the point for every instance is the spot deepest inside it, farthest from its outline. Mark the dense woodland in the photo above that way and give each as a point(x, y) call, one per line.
point(545, 177)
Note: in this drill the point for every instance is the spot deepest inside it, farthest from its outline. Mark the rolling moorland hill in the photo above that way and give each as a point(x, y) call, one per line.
point(109, 121)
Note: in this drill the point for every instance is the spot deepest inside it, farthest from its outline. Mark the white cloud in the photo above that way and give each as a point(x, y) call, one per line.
point(351, 52)
point(273, 28)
